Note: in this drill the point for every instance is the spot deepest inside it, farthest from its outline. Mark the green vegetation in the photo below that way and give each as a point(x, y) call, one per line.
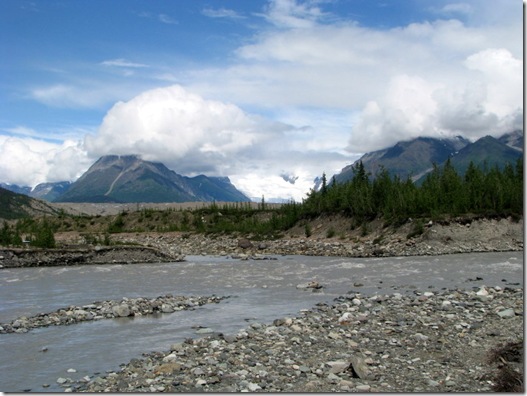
point(489, 192)
point(38, 234)
point(444, 193)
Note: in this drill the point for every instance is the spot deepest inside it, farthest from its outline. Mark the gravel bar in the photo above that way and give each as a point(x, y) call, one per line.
point(107, 310)
point(425, 342)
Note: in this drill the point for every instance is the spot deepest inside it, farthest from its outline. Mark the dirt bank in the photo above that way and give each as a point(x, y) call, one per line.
point(328, 236)
point(10, 258)
point(333, 236)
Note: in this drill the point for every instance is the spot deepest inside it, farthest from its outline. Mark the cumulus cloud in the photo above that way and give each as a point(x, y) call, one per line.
point(487, 102)
point(171, 124)
point(192, 135)
point(27, 161)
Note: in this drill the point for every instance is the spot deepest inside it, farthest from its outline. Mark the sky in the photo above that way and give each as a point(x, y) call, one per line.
point(271, 93)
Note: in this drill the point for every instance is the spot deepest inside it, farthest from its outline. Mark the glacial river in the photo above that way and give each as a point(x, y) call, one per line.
point(260, 291)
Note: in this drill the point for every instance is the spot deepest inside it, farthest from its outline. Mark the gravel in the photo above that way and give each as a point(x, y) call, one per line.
point(426, 342)
point(107, 310)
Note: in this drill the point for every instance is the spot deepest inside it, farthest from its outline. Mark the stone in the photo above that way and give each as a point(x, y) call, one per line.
point(204, 330)
point(345, 318)
point(244, 243)
point(360, 369)
point(482, 291)
point(253, 387)
point(338, 366)
point(507, 313)
point(121, 310)
point(363, 388)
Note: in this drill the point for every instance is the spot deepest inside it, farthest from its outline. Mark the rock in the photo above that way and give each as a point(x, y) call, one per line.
point(359, 367)
point(363, 388)
point(482, 291)
point(346, 318)
point(121, 310)
point(204, 330)
point(338, 366)
point(167, 308)
point(310, 285)
point(244, 243)
point(253, 387)
point(507, 313)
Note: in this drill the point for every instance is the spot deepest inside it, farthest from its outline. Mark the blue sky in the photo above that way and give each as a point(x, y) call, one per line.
point(254, 90)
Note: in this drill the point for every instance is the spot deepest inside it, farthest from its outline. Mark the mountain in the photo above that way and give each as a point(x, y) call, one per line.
point(415, 158)
point(407, 159)
point(513, 139)
point(25, 190)
point(45, 191)
point(16, 206)
point(128, 178)
point(50, 191)
point(485, 152)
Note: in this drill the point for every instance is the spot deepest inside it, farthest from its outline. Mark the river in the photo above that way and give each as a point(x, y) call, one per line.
point(259, 290)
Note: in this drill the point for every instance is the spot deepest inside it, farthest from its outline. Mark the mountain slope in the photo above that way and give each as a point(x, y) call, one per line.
point(16, 206)
point(485, 152)
point(128, 178)
point(416, 157)
point(407, 159)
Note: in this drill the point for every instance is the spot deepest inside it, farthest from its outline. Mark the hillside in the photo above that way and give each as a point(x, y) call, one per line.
point(16, 206)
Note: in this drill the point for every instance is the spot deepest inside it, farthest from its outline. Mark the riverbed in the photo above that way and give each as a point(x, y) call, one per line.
point(258, 290)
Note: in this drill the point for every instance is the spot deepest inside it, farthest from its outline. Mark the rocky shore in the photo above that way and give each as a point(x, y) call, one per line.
point(10, 258)
point(428, 342)
point(107, 310)
point(458, 236)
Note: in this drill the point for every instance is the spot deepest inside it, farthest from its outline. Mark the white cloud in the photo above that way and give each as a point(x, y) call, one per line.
point(436, 77)
point(193, 135)
point(293, 14)
point(167, 19)
point(222, 13)
point(122, 63)
point(28, 161)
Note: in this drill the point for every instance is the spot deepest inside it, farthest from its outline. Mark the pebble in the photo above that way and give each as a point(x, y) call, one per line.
point(402, 348)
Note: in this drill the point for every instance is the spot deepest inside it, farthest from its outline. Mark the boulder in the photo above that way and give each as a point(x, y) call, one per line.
point(121, 310)
point(244, 243)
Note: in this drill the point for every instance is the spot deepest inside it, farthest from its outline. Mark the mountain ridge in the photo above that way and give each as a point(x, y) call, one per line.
point(415, 158)
point(130, 179)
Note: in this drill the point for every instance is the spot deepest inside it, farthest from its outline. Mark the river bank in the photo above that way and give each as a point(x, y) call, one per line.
point(428, 342)
point(330, 236)
point(17, 257)
point(457, 236)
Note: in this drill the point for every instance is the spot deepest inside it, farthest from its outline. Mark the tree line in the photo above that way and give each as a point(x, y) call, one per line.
point(443, 192)
point(491, 192)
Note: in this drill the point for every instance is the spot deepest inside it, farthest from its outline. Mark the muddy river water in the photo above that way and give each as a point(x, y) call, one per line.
point(259, 290)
